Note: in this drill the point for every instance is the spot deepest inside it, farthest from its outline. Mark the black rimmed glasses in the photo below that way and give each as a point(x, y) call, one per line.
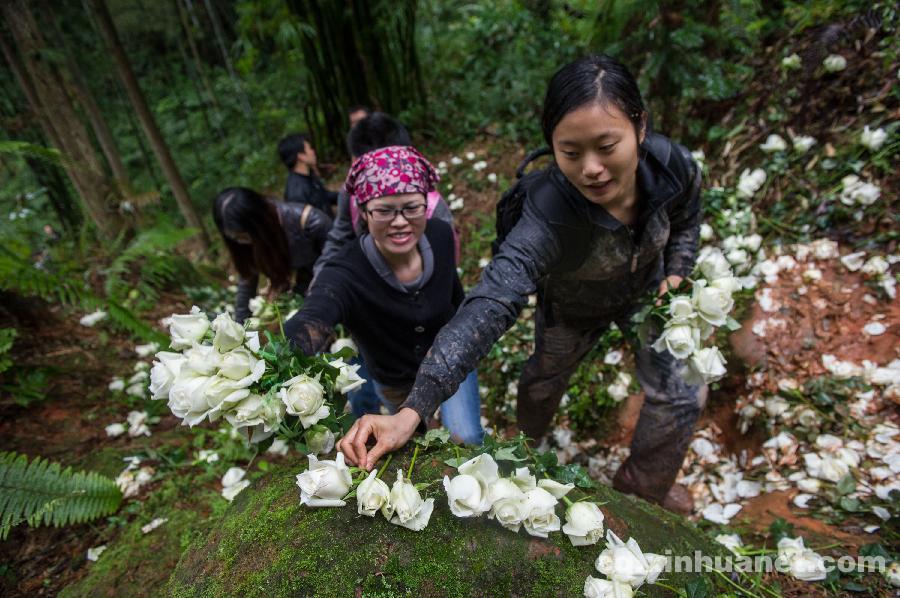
point(413, 212)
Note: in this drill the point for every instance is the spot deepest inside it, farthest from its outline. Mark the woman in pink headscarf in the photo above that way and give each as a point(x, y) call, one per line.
point(393, 288)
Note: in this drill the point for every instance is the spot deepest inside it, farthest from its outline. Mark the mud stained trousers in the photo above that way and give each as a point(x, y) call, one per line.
point(667, 419)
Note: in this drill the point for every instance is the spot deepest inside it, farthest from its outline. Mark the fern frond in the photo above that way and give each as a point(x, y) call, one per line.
point(41, 493)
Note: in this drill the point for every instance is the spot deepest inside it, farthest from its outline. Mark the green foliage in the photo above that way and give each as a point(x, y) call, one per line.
point(40, 492)
point(7, 336)
point(153, 253)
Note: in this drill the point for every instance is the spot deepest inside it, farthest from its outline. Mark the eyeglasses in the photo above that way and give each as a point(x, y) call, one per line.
point(388, 214)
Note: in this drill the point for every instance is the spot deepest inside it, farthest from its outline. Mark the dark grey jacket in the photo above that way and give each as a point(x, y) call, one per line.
point(620, 265)
point(306, 229)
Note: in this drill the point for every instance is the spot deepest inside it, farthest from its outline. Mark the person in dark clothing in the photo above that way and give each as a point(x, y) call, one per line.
point(394, 288)
point(263, 235)
point(303, 183)
point(636, 197)
point(374, 131)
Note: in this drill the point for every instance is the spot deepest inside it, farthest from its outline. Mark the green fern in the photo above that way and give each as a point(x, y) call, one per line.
point(41, 493)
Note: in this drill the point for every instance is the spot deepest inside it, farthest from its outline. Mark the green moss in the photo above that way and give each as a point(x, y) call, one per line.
point(268, 544)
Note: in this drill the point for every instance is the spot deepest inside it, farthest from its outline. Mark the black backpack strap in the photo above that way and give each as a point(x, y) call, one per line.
point(531, 157)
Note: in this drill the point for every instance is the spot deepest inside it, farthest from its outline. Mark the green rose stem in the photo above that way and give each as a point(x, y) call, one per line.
point(412, 463)
point(280, 323)
point(383, 467)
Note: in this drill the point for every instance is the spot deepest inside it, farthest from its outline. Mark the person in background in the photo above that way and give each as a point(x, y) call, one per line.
point(616, 217)
point(394, 287)
point(303, 183)
point(357, 113)
point(266, 236)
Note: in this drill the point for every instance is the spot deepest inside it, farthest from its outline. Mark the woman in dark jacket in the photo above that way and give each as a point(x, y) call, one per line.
point(615, 216)
point(394, 287)
point(263, 235)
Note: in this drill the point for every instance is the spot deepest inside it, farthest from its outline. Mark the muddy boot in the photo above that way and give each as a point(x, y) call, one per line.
point(677, 498)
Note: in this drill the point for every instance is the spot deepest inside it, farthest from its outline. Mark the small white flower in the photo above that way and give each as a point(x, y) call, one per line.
point(479, 166)
point(94, 553)
point(699, 157)
point(457, 204)
point(774, 143)
point(613, 357)
point(750, 182)
point(722, 514)
point(456, 160)
point(208, 456)
point(873, 139)
point(834, 63)
point(492, 177)
point(117, 385)
point(278, 447)
point(93, 318)
point(470, 156)
point(706, 232)
point(790, 63)
point(146, 350)
point(803, 143)
point(115, 430)
point(146, 529)
point(304, 397)
point(892, 574)
point(854, 261)
point(233, 483)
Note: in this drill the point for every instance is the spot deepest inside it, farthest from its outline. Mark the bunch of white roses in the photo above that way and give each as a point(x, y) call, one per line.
point(627, 567)
point(692, 319)
point(215, 370)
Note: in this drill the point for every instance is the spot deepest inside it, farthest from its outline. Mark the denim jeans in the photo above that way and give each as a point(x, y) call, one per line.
point(460, 414)
point(364, 399)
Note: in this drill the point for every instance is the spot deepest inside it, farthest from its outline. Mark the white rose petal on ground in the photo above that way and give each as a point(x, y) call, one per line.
point(146, 529)
point(93, 554)
point(874, 328)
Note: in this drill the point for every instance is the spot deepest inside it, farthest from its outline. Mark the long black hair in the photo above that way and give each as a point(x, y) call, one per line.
point(593, 78)
point(242, 210)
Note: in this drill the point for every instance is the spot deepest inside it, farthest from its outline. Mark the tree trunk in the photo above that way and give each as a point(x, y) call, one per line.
point(95, 116)
point(58, 117)
point(157, 143)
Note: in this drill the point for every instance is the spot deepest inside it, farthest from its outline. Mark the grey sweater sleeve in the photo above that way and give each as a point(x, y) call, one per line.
point(488, 311)
point(340, 234)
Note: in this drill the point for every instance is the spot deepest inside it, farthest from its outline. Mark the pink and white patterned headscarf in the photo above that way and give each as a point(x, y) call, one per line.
point(390, 171)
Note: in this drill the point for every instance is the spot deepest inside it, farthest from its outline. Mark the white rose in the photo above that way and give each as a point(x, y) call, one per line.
point(483, 468)
point(278, 447)
point(584, 524)
point(200, 360)
point(407, 507)
point(706, 232)
point(873, 139)
point(791, 62)
point(774, 143)
point(803, 143)
point(713, 264)
point(233, 483)
point(137, 424)
point(229, 334)
point(541, 519)
point(146, 350)
point(164, 373)
point(618, 390)
point(604, 588)
point(115, 430)
point(680, 340)
point(681, 309)
point(347, 380)
point(340, 343)
point(466, 496)
point(704, 366)
point(507, 504)
point(325, 483)
point(834, 63)
point(187, 398)
point(892, 574)
point(117, 385)
point(319, 440)
point(875, 266)
point(712, 304)
point(187, 329)
point(737, 257)
point(620, 562)
point(304, 397)
point(555, 488)
point(257, 410)
point(221, 394)
point(808, 566)
point(372, 495)
point(238, 364)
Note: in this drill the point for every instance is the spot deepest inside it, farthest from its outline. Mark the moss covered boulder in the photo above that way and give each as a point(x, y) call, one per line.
point(267, 544)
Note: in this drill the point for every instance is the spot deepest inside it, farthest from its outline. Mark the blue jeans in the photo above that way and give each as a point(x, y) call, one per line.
point(460, 414)
point(364, 399)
